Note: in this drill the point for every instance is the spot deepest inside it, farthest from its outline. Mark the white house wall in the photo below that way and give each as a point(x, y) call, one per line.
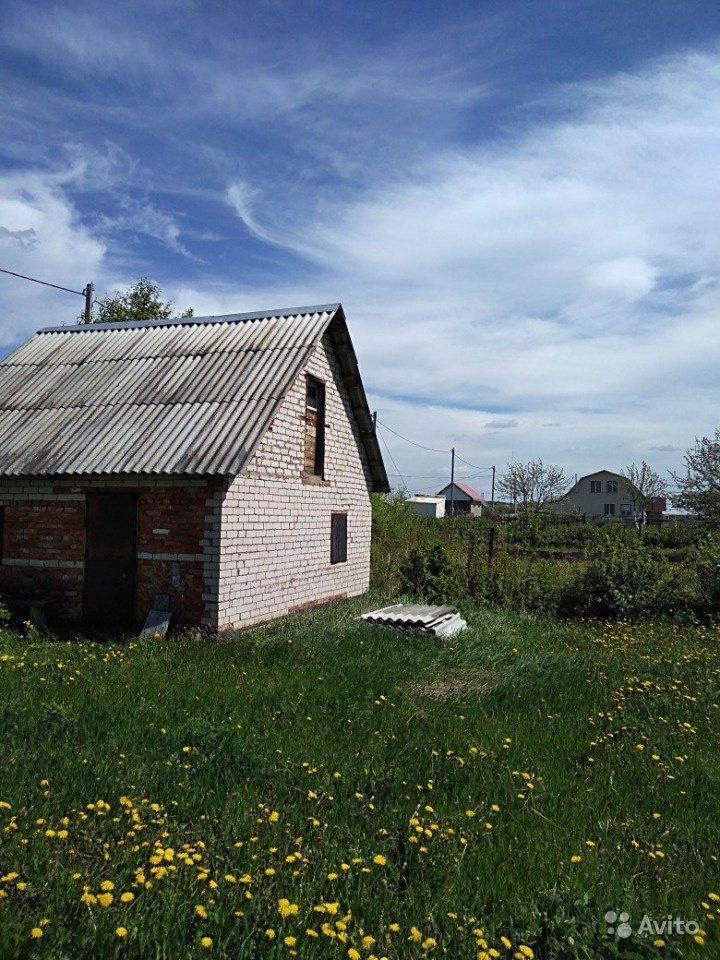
point(275, 526)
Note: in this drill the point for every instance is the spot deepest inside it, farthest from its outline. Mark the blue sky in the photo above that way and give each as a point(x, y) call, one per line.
point(517, 203)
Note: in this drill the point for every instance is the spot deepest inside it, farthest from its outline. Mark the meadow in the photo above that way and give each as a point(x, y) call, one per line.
point(324, 788)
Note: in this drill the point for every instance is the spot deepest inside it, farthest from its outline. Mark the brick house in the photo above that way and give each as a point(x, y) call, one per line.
point(226, 462)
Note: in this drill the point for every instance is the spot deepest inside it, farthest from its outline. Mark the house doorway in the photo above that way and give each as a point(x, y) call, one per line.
point(110, 537)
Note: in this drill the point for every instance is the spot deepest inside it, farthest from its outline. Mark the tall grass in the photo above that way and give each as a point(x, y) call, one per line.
point(321, 776)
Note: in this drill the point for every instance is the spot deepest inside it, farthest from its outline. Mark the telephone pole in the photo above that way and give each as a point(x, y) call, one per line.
point(492, 495)
point(452, 482)
point(89, 292)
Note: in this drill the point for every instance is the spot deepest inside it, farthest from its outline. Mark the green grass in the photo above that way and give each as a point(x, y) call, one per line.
point(363, 742)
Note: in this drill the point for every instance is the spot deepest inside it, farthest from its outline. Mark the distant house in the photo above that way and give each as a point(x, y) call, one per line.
point(223, 463)
point(426, 506)
point(460, 498)
point(603, 495)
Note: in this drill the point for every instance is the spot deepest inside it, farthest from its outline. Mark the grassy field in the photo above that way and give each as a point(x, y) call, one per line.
point(322, 788)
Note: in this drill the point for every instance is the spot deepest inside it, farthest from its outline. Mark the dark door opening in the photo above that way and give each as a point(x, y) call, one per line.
point(110, 534)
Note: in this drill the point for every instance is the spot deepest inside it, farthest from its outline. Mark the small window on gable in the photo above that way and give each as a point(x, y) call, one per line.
point(612, 486)
point(314, 463)
point(338, 538)
point(595, 486)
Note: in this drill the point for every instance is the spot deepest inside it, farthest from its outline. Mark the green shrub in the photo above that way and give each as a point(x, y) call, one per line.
point(706, 567)
point(527, 584)
point(620, 580)
point(431, 575)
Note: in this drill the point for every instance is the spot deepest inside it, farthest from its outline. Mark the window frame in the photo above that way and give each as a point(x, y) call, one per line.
point(609, 510)
point(596, 486)
point(318, 440)
point(338, 551)
point(611, 486)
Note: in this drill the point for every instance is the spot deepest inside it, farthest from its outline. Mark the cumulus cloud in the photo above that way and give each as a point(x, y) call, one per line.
point(41, 235)
point(570, 270)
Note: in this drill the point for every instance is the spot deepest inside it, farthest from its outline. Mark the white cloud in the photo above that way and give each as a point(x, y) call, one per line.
point(567, 275)
point(41, 236)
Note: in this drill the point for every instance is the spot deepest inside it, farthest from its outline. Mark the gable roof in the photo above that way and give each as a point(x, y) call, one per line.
point(589, 476)
point(464, 488)
point(183, 396)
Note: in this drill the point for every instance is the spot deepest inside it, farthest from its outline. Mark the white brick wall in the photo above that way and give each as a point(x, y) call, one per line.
point(274, 542)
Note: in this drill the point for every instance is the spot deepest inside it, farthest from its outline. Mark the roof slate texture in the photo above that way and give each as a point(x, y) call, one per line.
point(186, 396)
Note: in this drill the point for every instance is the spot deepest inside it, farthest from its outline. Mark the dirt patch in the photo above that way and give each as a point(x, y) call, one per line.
point(456, 684)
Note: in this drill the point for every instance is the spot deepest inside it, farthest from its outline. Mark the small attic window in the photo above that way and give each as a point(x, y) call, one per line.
point(314, 463)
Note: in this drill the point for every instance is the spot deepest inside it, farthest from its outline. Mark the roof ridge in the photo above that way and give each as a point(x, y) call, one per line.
point(282, 312)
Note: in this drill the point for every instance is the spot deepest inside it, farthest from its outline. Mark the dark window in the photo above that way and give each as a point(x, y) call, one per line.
point(595, 486)
point(609, 509)
point(338, 538)
point(612, 486)
point(314, 463)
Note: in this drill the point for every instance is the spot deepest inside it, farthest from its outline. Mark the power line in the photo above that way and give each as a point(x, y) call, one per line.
point(88, 293)
point(393, 459)
point(80, 293)
point(475, 466)
point(407, 440)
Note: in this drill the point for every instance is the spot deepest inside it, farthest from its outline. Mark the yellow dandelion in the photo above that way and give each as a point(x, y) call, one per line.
point(206, 942)
point(35, 933)
point(121, 932)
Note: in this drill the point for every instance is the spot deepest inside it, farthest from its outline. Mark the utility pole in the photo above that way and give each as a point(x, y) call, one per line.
point(89, 293)
point(492, 495)
point(452, 482)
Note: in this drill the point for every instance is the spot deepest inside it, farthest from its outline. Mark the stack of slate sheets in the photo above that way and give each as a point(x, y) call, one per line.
point(443, 621)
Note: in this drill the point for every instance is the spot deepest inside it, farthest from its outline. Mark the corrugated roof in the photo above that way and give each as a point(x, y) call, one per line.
point(174, 396)
point(464, 488)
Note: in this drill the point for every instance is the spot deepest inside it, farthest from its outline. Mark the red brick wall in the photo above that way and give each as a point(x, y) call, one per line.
point(44, 543)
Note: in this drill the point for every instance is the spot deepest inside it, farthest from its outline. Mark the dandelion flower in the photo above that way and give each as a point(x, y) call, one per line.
point(287, 909)
point(121, 932)
point(206, 942)
point(270, 933)
point(379, 859)
point(290, 941)
point(36, 933)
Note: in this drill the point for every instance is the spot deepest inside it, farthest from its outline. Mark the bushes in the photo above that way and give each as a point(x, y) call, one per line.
point(612, 572)
point(619, 581)
point(432, 575)
point(706, 567)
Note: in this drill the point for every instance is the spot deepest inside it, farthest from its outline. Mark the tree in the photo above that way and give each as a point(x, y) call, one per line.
point(699, 486)
point(645, 485)
point(141, 301)
point(532, 484)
